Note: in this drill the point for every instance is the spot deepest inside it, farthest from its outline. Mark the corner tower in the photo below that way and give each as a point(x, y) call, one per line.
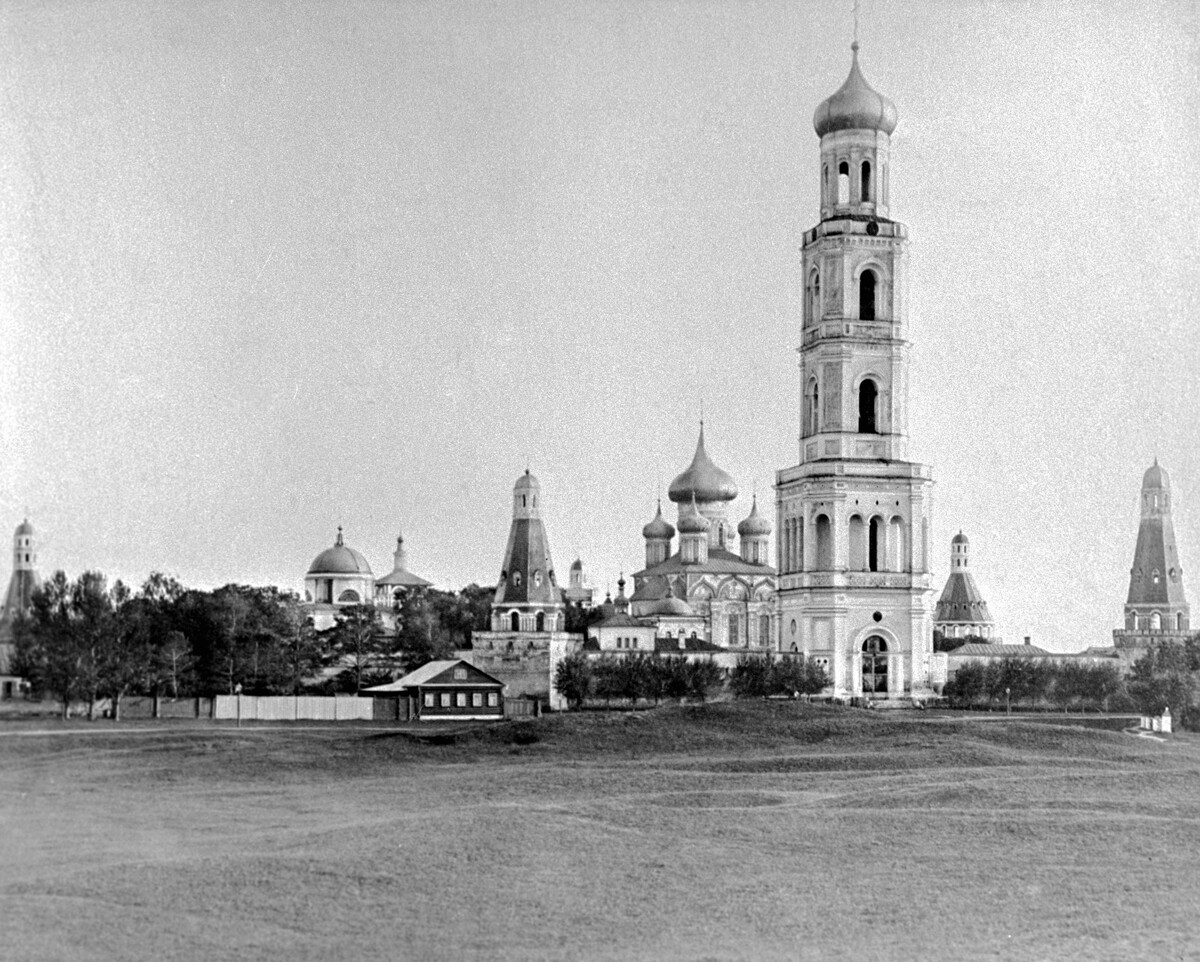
point(1155, 608)
point(527, 596)
point(853, 514)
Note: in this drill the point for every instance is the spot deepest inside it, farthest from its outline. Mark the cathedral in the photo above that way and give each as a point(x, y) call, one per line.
point(853, 515)
point(733, 594)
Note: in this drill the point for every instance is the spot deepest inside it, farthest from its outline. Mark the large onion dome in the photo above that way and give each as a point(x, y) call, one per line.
point(339, 560)
point(691, 521)
point(855, 106)
point(754, 524)
point(660, 527)
point(703, 480)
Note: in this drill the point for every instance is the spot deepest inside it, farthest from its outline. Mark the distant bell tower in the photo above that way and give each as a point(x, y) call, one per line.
point(1155, 605)
point(853, 514)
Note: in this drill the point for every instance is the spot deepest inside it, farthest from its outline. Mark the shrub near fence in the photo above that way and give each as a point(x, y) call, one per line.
point(294, 708)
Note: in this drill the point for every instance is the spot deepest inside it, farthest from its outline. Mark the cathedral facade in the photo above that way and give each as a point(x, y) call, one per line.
point(853, 515)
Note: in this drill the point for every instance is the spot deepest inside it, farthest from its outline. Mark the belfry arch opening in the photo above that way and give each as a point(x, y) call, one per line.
point(866, 181)
point(866, 295)
point(514, 622)
point(843, 186)
point(868, 402)
point(875, 544)
point(814, 407)
point(824, 543)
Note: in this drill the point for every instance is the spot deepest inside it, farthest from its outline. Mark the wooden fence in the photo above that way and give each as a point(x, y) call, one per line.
point(292, 708)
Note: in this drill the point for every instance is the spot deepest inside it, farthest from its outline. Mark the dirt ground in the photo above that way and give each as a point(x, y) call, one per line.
point(765, 831)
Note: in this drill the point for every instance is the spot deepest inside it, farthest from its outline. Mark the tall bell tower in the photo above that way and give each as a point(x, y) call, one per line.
point(853, 514)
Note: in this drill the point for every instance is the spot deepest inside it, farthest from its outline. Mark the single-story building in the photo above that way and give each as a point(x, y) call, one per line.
point(449, 690)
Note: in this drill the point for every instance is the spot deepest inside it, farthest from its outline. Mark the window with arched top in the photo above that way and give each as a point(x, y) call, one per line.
point(537, 577)
point(857, 544)
point(875, 544)
point(825, 184)
point(1155, 621)
point(895, 552)
point(514, 624)
point(1154, 576)
point(541, 621)
point(868, 403)
point(764, 629)
point(1179, 621)
point(843, 197)
point(866, 181)
point(814, 407)
point(867, 282)
point(824, 543)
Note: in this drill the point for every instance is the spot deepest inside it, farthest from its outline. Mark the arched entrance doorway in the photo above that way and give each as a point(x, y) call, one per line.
point(874, 666)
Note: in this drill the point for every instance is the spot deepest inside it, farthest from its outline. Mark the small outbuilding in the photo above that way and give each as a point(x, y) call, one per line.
point(449, 690)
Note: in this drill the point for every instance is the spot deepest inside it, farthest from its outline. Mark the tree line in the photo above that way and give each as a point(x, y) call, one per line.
point(86, 641)
point(580, 679)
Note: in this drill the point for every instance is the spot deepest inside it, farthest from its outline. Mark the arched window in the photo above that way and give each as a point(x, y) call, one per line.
point(514, 622)
point(825, 184)
point(896, 558)
point(866, 181)
point(764, 630)
point(1155, 621)
point(1179, 621)
point(824, 543)
point(866, 295)
point(541, 621)
point(857, 544)
point(843, 183)
point(814, 297)
point(733, 630)
point(814, 407)
point(868, 396)
point(348, 597)
point(883, 184)
point(875, 544)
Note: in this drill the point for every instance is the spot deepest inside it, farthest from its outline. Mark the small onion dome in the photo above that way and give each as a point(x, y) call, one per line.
point(672, 606)
point(855, 106)
point(960, 538)
point(339, 560)
point(691, 521)
point(578, 565)
point(755, 524)
point(703, 479)
point(660, 527)
point(527, 482)
point(1155, 477)
point(23, 529)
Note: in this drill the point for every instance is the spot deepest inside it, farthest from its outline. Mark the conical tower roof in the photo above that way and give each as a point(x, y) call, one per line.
point(528, 574)
point(1156, 578)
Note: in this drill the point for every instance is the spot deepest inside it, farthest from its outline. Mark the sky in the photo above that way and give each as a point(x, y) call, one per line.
point(271, 268)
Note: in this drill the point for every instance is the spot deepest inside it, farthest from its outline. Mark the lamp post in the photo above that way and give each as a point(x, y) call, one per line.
point(1007, 702)
point(238, 691)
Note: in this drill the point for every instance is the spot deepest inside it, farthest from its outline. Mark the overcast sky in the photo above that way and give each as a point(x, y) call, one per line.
point(268, 268)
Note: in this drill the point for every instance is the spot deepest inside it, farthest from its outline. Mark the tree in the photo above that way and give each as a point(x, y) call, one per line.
point(419, 637)
point(800, 676)
point(703, 677)
point(357, 645)
point(573, 678)
point(749, 677)
point(47, 649)
point(1165, 677)
point(967, 685)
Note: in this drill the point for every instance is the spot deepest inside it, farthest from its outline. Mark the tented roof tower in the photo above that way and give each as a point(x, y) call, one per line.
point(527, 596)
point(961, 610)
point(1156, 601)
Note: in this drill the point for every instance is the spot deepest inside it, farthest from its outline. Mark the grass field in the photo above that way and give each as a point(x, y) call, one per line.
point(752, 831)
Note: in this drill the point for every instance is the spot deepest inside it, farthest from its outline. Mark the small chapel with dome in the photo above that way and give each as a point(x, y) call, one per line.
point(731, 593)
point(340, 577)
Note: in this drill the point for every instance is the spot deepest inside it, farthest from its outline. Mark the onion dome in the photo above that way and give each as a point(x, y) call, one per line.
point(339, 560)
point(671, 606)
point(755, 525)
point(527, 482)
point(855, 106)
point(691, 521)
point(703, 480)
point(577, 565)
point(960, 538)
point(660, 527)
point(23, 529)
point(1155, 477)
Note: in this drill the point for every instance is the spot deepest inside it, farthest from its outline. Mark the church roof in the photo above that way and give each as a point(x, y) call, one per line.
point(719, 561)
point(24, 528)
point(619, 620)
point(659, 527)
point(855, 106)
point(1156, 477)
point(691, 521)
point(754, 524)
point(527, 556)
point(403, 579)
point(339, 560)
point(702, 480)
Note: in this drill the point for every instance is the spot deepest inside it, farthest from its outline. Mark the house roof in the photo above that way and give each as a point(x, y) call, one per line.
point(986, 650)
point(430, 674)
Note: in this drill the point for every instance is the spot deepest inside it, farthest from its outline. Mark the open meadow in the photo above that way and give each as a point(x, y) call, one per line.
point(730, 831)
